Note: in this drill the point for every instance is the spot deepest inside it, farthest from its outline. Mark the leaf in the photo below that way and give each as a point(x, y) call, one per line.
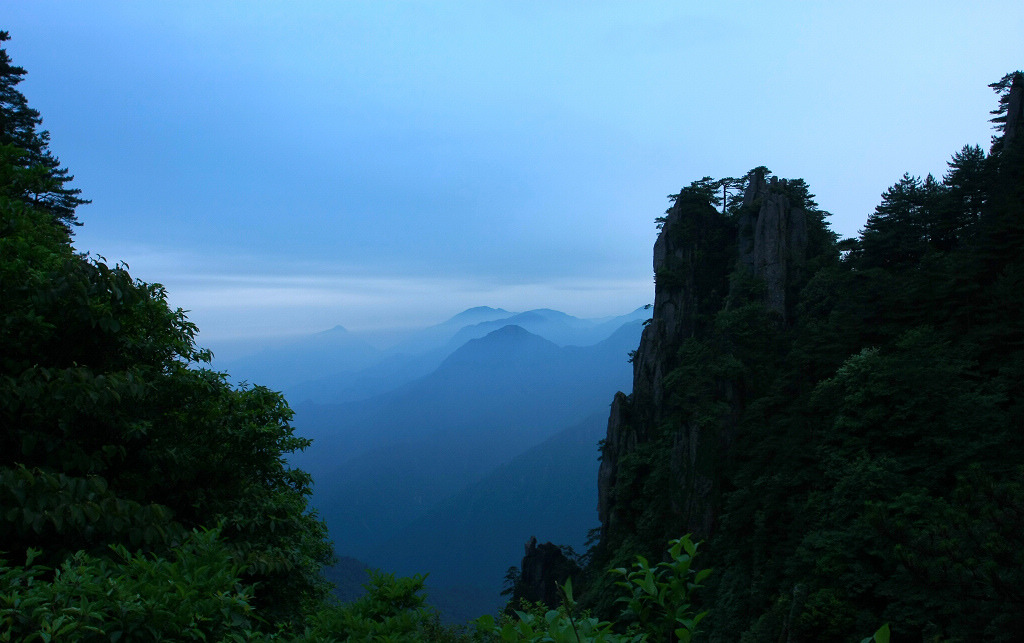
point(567, 590)
point(688, 545)
point(648, 585)
point(882, 635)
point(676, 548)
point(485, 622)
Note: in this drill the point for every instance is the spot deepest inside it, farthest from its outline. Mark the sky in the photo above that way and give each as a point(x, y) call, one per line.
point(285, 167)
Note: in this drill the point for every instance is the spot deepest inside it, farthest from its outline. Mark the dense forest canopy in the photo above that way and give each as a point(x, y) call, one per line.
point(142, 496)
point(843, 423)
point(113, 433)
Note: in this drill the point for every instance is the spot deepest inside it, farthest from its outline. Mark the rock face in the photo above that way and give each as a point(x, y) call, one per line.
point(689, 278)
point(543, 570)
point(772, 237)
point(695, 254)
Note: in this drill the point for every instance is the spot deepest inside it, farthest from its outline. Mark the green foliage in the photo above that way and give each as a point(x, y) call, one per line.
point(115, 439)
point(24, 151)
point(657, 607)
point(658, 597)
point(896, 235)
point(393, 609)
point(194, 594)
point(880, 636)
point(1002, 89)
point(536, 623)
point(862, 462)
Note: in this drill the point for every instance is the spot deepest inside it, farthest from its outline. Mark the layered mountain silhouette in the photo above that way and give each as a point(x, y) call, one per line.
point(479, 532)
point(434, 457)
point(382, 462)
point(423, 351)
point(281, 367)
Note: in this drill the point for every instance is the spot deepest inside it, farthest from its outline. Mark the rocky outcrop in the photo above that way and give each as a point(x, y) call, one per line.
point(689, 278)
point(772, 238)
point(617, 442)
point(544, 569)
point(695, 254)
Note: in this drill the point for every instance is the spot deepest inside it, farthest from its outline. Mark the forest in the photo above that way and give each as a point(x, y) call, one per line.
point(839, 420)
point(823, 440)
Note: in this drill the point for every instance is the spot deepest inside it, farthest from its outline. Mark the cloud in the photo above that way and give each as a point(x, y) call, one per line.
point(241, 298)
point(247, 296)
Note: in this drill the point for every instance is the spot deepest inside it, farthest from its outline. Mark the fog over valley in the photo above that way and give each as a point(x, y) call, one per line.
point(483, 419)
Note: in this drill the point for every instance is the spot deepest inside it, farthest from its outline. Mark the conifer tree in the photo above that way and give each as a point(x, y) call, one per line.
point(895, 235)
point(28, 147)
point(118, 449)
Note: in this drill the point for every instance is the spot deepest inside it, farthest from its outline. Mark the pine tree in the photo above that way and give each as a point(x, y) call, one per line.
point(966, 187)
point(46, 185)
point(896, 234)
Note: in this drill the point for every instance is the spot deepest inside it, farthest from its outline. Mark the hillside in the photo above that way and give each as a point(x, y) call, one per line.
point(472, 535)
point(383, 462)
point(838, 420)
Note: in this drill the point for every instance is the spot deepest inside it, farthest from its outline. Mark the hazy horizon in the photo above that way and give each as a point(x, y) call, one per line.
point(386, 340)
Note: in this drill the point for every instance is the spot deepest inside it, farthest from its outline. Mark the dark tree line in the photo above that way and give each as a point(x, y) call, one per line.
point(142, 496)
point(877, 473)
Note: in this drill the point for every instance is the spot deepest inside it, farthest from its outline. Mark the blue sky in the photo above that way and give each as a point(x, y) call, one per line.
point(283, 167)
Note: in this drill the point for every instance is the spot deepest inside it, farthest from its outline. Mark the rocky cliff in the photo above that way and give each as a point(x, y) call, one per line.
point(772, 237)
point(836, 420)
point(545, 568)
point(699, 256)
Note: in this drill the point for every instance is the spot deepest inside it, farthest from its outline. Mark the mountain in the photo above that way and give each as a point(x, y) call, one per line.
point(837, 421)
point(416, 356)
point(558, 327)
point(390, 372)
point(382, 462)
point(355, 377)
point(440, 335)
point(474, 535)
point(508, 345)
point(333, 352)
point(336, 365)
point(475, 315)
point(605, 327)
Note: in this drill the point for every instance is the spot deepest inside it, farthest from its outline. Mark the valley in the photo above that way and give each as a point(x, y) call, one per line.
point(444, 453)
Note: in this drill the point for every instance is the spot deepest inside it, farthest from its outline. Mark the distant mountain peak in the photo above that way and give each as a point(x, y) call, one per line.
point(337, 329)
point(482, 309)
point(549, 312)
point(512, 330)
point(478, 314)
point(510, 333)
point(510, 342)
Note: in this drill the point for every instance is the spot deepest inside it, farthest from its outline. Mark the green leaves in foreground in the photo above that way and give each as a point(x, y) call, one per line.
point(195, 594)
point(659, 598)
point(658, 607)
point(881, 636)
